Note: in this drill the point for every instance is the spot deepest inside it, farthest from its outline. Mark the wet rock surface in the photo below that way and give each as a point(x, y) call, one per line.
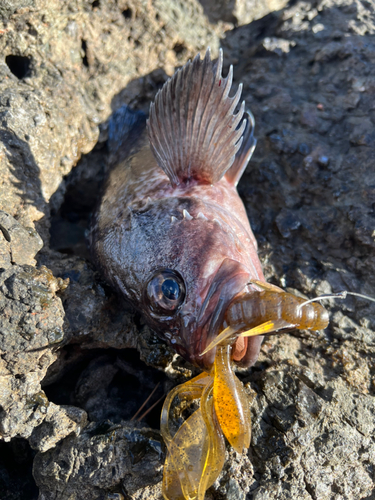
point(76, 362)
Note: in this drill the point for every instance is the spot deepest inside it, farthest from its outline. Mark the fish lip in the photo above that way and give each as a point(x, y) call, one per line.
point(229, 280)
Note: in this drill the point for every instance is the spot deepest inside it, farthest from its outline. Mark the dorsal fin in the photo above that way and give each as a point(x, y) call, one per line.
point(245, 152)
point(192, 128)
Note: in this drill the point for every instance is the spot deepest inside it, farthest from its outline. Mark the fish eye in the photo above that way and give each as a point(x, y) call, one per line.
point(165, 291)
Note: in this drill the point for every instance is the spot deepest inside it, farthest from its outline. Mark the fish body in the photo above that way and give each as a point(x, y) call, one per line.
point(171, 233)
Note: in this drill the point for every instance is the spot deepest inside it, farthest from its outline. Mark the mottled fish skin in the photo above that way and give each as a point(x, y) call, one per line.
point(171, 203)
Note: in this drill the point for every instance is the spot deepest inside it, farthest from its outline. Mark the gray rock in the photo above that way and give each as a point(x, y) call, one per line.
point(31, 324)
point(21, 244)
point(240, 12)
point(309, 438)
point(59, 422)
point(7, 7)
point(105, 458)
point(308, 78)
point(314, 413)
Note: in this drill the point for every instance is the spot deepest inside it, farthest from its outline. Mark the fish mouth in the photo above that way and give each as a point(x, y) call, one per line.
point(230, 279)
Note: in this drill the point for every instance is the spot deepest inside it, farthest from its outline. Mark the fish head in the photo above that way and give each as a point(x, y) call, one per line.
point(184, 256)
point(182, 270)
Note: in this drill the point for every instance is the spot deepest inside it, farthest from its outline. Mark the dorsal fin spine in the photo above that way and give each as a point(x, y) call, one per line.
point(231, 104)
point(246, 147)
point(225, 133)
point(181, 121)
point(228, 81)
point(199, 108)
point(204, 126)
point(210, 129)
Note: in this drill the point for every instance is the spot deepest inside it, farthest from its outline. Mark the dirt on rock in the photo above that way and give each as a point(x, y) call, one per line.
point(76, 361)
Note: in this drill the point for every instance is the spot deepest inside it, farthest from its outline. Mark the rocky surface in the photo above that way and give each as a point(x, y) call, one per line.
point(240, 12)
point(70, 376)
point(31, 325)
point(119, 459)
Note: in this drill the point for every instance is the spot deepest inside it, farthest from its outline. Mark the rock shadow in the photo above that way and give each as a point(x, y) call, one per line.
point(109, 384)
point(16, 480)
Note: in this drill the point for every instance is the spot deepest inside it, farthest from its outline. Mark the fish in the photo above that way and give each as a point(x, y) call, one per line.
point(172, 235)
point(170, 232)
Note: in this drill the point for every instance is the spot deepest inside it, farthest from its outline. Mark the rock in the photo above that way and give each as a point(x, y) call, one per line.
point(68, 353)
point(236, 478)
point(315, 236)
point(240, 12)
point(59, 422)
point(312, 437)
point(22, 244)
point(7, 7)
point(31, 325)
point(103, 460)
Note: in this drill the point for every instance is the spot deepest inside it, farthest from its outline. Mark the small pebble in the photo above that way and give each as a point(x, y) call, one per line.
point(323, 161)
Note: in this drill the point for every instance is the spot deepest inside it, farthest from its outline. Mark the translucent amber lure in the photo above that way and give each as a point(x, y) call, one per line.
point(267, 311)
point(230, 402)
point(196, 452)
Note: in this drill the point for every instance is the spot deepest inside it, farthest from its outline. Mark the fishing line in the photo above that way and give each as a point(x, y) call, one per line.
point(338, 295)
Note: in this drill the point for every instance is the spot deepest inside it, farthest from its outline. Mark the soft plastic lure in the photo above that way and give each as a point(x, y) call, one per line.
point(196, 452)
point(269, 310)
